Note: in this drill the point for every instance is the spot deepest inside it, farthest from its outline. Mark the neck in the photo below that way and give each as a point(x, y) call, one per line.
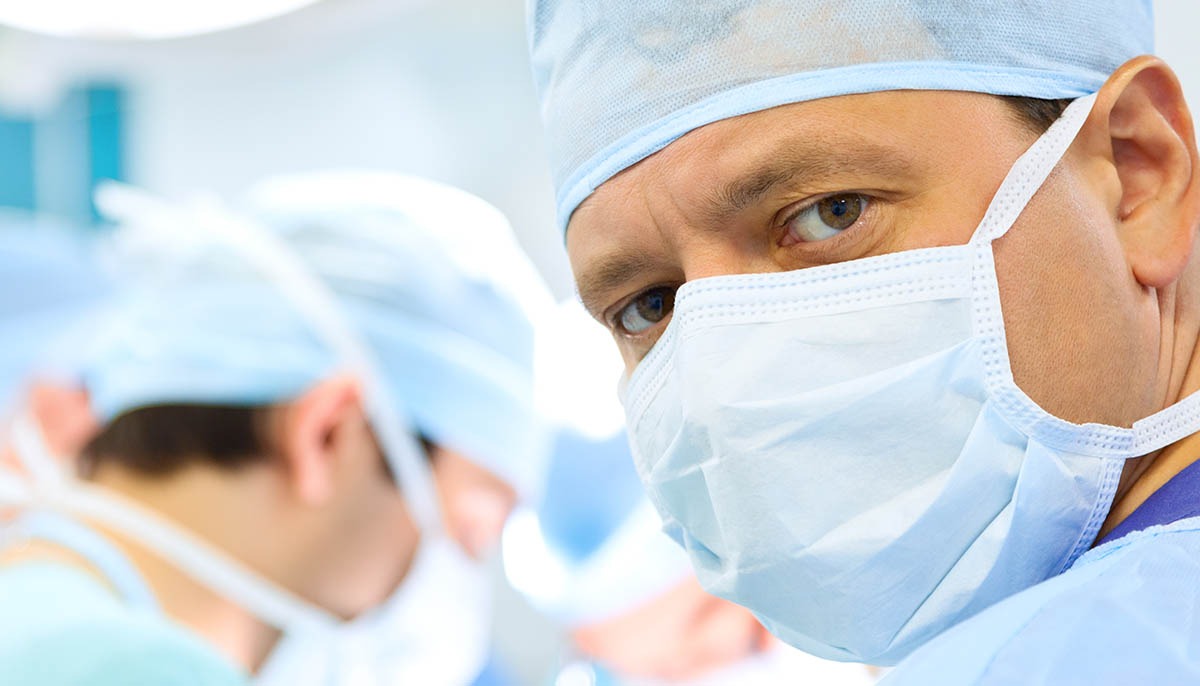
point(1180, 353)
point(225, 510)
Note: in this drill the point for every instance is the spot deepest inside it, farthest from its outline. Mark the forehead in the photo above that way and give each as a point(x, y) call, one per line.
point(825, 127)
point(843, 138)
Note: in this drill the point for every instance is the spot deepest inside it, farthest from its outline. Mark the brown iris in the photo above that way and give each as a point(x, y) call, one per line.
point(840, 211)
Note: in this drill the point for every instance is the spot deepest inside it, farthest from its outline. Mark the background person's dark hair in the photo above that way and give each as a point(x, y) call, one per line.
point(160, 439)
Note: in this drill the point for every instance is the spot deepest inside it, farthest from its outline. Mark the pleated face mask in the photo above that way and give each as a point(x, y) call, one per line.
point(843, 450)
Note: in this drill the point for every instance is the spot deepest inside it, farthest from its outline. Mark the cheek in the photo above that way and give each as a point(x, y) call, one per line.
point(1080, 334)
point(476, 502)
point(369, 543)
point(630, 356)
point(387, 552)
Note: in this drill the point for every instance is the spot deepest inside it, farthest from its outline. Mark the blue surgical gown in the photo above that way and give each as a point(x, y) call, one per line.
point(1127, 612)
point(60, 626)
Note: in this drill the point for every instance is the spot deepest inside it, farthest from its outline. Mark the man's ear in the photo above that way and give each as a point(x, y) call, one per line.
point(1142, 124)
point(313, 426)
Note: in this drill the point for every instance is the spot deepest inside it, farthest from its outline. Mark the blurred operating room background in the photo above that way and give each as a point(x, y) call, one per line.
point(436, 89)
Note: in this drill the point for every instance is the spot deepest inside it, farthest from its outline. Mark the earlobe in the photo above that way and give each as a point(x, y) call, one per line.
point(311, 429)
point(1146, 120)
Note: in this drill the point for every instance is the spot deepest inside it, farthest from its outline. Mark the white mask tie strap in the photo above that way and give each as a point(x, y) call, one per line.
point(1031, 170)
point(195, 557)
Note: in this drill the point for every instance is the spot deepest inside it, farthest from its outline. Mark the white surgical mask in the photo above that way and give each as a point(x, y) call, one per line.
point(434, 630)
point(843, 450)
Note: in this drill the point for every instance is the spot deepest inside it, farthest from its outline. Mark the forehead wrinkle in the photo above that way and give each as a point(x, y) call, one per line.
point(802, 164)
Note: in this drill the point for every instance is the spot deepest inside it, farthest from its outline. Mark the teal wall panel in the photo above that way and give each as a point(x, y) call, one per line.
point(16, 163)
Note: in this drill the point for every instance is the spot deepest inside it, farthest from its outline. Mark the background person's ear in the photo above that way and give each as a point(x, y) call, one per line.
point(1142, 125)
point(313, 429)
point(64, 413)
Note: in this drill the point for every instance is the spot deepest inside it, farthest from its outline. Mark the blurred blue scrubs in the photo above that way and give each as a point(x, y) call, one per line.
point(70, 625)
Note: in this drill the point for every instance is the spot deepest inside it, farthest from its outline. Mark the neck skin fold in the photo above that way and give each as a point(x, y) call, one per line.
point(1179, 357)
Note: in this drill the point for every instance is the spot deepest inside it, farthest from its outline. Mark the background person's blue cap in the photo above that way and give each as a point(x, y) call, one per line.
point(51, 286)
point(620, 80)
point(592, 548)
point(430, 277)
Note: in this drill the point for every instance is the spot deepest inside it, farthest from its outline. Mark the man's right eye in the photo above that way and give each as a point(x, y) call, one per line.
point(646, 309)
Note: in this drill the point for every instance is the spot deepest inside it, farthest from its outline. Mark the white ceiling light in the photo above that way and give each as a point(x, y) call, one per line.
point(138, 19)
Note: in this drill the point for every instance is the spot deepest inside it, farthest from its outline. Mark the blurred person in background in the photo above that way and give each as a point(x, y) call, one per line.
point(591, 555)
point(275, 397)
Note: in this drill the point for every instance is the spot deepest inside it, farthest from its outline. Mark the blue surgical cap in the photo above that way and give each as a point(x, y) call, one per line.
point(50, 284)
point(430, 278)
point(591, 488)
point(620, 80)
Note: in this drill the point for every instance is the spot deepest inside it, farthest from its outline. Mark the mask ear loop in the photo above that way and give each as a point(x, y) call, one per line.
point(29, 443)
point(225, 576)
point(1031, 170)
point(1027, 176)
point(14, 491)
point(314, 301)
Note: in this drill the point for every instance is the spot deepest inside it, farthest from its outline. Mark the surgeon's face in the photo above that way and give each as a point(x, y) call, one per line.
point(846, 178)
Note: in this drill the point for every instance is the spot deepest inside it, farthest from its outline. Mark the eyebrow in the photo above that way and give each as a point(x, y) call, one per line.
point(613, 271)
point(798, 163)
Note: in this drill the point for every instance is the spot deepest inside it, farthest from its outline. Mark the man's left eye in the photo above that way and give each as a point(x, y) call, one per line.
point(825, 218)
